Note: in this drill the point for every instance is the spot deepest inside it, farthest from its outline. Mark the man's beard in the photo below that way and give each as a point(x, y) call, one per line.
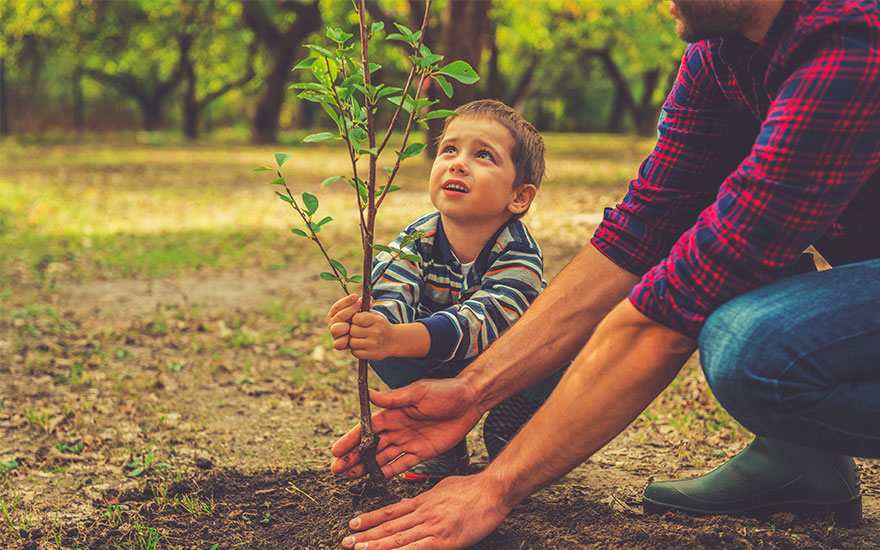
point(704, 19)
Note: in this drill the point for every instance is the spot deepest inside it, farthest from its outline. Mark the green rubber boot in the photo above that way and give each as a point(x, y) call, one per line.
point(767, 476)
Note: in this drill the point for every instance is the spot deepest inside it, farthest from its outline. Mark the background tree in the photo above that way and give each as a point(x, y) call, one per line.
point(282, 27)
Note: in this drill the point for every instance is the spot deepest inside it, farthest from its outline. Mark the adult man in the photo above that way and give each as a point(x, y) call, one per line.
point(771, 143)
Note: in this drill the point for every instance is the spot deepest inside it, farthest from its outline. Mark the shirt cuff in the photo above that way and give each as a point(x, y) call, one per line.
point(445, 336)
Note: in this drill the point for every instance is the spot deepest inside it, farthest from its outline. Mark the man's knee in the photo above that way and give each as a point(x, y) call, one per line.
point(737, 350)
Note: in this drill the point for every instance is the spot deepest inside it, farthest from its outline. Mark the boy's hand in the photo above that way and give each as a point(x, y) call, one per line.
point(339, 319)
point(371, 336)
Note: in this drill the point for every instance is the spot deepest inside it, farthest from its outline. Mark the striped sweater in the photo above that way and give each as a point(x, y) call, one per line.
point(462, 317)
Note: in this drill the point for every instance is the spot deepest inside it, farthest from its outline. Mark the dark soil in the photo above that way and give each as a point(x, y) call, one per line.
point(309, 509)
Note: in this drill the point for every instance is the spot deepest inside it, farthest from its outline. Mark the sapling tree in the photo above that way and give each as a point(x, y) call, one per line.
point(344, 87)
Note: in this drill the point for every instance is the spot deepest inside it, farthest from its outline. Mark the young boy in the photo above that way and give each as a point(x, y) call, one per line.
point(479, 272)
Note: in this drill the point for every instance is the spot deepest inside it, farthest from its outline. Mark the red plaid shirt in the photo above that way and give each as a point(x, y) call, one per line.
point(765, 149)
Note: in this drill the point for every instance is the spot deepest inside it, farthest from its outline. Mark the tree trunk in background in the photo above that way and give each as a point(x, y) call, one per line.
point(79, 105)
point(4, 111)
point(284, 48)
point(647, 114)
point(466, 28)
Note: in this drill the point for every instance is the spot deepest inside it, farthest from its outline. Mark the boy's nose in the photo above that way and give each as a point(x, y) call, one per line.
point(458, 166)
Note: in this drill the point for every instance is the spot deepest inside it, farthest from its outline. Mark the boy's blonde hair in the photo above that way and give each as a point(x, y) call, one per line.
point(528, 145)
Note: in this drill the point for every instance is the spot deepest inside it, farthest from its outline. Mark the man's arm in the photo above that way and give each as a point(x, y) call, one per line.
point(427, 418)
point(624, 366)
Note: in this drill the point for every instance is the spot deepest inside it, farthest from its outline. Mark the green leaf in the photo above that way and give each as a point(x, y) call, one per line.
point(358, 134)
point(278, 181)
point(328, 276)
point(311, 203)
point(415, 258)
point(261, 169)
point(314, 86)
point(411, 238)
point(325, 221)
point(407, 105)
point(404, 30)
point(285, 198)
point(299, 232)
point(460, 71)
point(397, 36)
point(392, 189)
point(388, 90)
point(136, 472)
point(338, 35)
point(411, 150)
point(439, 113)
point(320, 136)
point(377, 26)
point(374, 67)
point(329, 180)
point(371, 151)
point(382, 248)
point(319, 50)
point(356, 279)
point(305, 63)
point(339, 268)
point(281, 158)
point(445, 85)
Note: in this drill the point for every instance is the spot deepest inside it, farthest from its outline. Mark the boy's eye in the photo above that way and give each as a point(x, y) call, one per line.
point(448, 149)
point(484, 154)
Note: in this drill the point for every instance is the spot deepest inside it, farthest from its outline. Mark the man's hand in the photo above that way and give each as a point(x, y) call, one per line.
point(339, 319)
point(457, 512)
point(372, 337)
point(416, 423)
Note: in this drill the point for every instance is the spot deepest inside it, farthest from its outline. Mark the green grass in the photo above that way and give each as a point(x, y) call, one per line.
point(77, 212)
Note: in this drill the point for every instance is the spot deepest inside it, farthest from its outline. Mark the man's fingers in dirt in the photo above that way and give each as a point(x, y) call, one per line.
point(382, 515)
point(396, 533)
point(402, 464)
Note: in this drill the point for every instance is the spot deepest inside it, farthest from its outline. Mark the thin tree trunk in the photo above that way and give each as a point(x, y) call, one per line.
point(4, 92)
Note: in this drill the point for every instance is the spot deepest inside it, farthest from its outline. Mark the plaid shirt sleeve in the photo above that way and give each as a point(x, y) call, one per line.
point(397, 293)
point(695, 150)
point(818, 145)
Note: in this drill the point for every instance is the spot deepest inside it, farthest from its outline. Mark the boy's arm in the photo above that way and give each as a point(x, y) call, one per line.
point(509, 286)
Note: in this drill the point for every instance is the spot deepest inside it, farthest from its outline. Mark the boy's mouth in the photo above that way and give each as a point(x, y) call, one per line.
point(455, 187)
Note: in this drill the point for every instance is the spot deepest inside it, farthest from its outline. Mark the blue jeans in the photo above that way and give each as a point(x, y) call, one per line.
point(799, 359)
point(401, 371)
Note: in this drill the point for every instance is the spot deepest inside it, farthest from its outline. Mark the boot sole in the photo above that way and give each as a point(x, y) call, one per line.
point(847, 513)
point(459, 469)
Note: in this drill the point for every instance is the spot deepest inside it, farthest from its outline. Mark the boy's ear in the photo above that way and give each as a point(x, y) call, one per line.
point(523, 199)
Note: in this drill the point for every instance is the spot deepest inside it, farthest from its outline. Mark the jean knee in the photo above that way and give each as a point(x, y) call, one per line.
point(737, 362)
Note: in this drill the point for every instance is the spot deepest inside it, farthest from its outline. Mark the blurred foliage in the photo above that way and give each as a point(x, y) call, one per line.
point(97, 64)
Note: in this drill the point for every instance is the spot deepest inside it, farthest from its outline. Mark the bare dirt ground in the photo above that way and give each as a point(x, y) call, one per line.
point(197, 412)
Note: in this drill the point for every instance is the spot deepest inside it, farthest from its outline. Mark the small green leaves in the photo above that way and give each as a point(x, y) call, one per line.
point(356, 279)
point(328, 276)
point(460, 71)
point(330, 180)
point(339, 36)
point(411, 150)
point(319, 50)
point(310, 202)
point(382, 248)
point(299, 232)
point(439, 113)
point(411, 238)
point(283, 197)
point(320, 136)
point(281, 158)
point(377, 27)
point(445, 85)
point(278, 181)
point(339, 267)
point(411, 257)
point(324, 221)
point(261, 169)
point(305, 63)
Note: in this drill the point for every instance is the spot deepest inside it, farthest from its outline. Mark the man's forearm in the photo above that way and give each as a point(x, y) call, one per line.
point(553, 330)
point(627, 363)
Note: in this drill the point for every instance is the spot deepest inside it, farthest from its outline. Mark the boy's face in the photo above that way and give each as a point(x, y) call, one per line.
point(472, 177)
